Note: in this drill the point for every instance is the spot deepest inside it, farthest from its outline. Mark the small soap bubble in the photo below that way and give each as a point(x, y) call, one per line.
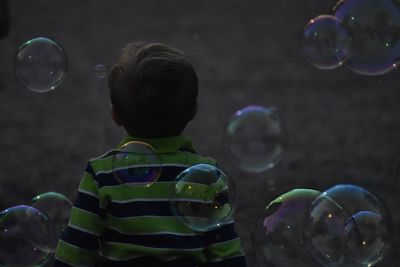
point(202, 200)
point(40, 64)
point(56, 207)
point(254, 139)
point(278, 234)
point(271, 185)
point(374, 26)
point(100, 70)
point(367, 238)
point(136, 162)
point(20, 228)
point(348, 226)
point(325, 42)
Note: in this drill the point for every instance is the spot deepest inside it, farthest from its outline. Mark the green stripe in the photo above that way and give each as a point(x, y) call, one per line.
point(225, 249)
point(126, 192)
point(165, 190)
point(200, 191)
point(104, 164)
point(88, 184)
point(125, 251)
point(74, 255)
point(87, 221)
point(184, 158)
point(137, 225)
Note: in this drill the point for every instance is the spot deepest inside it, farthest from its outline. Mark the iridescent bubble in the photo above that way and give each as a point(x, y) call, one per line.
point(325, 42)
point(202, 200)
point(40, 64)
point(368, 238)
point(374, 26)
point(20, 227)
point(136, 162)
point(278, 235)
point(100, 70)
point(348, 226)
point(255, 139)
point(57, 209)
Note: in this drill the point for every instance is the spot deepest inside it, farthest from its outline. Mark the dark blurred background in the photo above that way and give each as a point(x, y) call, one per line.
point(342, 127)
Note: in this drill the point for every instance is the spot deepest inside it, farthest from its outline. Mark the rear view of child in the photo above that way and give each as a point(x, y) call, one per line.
point(153, 91)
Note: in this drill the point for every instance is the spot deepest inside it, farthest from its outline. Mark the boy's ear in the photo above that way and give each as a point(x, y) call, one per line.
point(194, 112)
point(115, 116)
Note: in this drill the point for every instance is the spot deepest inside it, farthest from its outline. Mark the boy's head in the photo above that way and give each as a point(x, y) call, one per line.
point(153, 90)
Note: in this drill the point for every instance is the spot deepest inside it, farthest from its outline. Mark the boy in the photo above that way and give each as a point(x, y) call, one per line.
point(153, 92)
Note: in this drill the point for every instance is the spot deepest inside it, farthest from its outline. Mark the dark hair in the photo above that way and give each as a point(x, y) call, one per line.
point(153, 90)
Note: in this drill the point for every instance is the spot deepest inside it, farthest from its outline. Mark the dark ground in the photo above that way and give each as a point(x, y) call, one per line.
point(343, 128)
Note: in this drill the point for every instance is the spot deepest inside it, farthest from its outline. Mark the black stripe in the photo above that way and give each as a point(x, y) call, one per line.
point(150, 262)
point(232, 262)
point(168, 174)
point(224, 233)
point(156, 241)
point(151, 208)
point(139, 208)
point(89, 203)
point(80, 239)
point(90, 170)
point(187, 149)
point(58, 263)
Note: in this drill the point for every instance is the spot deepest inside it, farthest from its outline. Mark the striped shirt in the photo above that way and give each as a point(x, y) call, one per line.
point(126, 224)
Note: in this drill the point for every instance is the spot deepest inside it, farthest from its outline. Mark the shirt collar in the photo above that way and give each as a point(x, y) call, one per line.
point(163, 144)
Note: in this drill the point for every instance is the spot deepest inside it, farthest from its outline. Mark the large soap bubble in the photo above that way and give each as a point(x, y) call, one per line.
point(20, 229)
point(374, 26)
point(348, 226)
point(254, 139)
point(202, 199)
point(325, 42)
point(278, 235)
point(136, 162)
point(57, 209)
point(40, 64)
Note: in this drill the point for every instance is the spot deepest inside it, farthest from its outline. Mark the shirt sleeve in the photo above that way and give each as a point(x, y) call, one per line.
point(79, 244)
point(224, 248)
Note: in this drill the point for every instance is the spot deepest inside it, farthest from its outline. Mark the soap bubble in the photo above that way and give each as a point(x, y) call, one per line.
point(40, 64)
point(278, 234)
point(368, 238)
point(348, 226)
point(201, 198)
point(57, 209)
point(255, 139)
point(271, 185)
point(136, 162)
point(100, 70)
point(325, 234)
point(20, 228)
point(374, 26)
point(325, 42)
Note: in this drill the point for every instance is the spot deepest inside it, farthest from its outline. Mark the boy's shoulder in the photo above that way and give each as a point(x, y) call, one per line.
point(174, 151)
